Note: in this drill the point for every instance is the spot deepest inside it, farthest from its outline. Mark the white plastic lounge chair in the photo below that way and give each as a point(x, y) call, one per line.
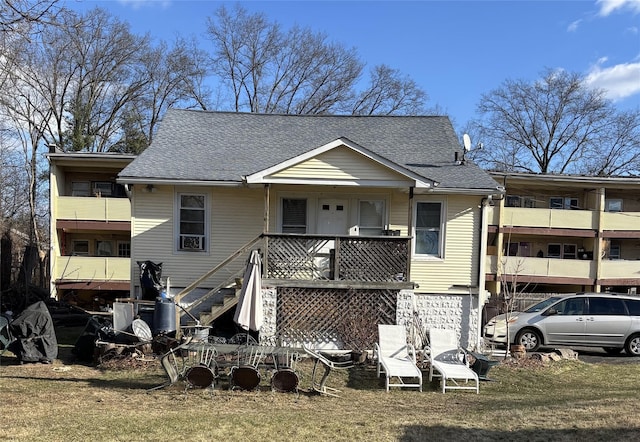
point(396, 359)
point(447, 362)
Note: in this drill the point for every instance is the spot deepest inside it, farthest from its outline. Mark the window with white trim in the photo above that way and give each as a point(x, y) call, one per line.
point(371, 217)
point(428, 228)
point(192, 222)
point(124, 249)
point(294, 215)
point(613, 205)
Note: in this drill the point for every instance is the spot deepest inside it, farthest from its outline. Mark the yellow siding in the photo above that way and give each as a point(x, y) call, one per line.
point(462, 248)
point(340, 164)
point(235, 218)
point(92, 268)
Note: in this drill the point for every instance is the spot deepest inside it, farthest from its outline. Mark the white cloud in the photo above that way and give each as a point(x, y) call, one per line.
point(618, 82)
point(609, 6)
point(573, 26)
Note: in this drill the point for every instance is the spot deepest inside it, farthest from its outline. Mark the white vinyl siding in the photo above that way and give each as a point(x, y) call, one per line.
point(238, 218)
point(461, 252)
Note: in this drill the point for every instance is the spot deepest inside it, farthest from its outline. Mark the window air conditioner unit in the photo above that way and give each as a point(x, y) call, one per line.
point(192, 243)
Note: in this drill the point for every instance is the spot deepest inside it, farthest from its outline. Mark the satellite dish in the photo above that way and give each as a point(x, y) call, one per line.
point(467, 142)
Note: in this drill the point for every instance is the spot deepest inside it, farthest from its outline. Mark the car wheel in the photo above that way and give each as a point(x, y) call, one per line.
point(632, 346)
point(612, 350)
point(530, 339)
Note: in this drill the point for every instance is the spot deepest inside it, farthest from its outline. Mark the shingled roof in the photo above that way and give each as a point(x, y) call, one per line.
point(224, 147)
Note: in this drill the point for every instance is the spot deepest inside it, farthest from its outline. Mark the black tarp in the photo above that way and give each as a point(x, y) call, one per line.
point(150, 279)
point(34, 334)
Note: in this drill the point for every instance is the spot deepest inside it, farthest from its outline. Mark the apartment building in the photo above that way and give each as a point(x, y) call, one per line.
point(90, 228)
point(558, 233)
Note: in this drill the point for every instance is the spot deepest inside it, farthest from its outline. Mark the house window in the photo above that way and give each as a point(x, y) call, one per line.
point(428, 238)
point(294, 215)
point(102, 188)
point(80, 248)
point(104, 248)
point(80, 188)
point(124, 249)
point(554, 250)
point(569, 251)
point(614, 250)
point(558, 202)
point(371, 220)
point(613, 205)
point(192, 210)
point(512, 201)
point(520, 201)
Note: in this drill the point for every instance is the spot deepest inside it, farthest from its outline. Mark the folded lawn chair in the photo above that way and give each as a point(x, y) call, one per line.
point(396, 358)
point(319, 385)
point(448, 362)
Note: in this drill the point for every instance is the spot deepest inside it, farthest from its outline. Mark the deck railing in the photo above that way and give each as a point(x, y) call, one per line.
point(337, 258)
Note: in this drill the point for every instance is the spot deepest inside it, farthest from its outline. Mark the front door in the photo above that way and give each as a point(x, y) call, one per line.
point(333, 217)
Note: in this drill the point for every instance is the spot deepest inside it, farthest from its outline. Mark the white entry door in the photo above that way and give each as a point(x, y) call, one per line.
point(333, 217)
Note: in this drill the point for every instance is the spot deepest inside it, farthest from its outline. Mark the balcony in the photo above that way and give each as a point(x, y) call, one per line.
point(621, 221)
point(549, 218)
point(91, 268)
point(349, 261)
point(542, 268)
point(621, 270)
point(92, 209)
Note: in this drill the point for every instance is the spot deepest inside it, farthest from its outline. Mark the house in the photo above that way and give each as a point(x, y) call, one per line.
point(563, 233)
point(367, 219)
point(90, 229)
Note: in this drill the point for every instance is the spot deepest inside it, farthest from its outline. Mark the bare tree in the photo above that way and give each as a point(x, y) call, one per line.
point(16, 16)
point(389, 92)
point(269, 70)
point(555, 125)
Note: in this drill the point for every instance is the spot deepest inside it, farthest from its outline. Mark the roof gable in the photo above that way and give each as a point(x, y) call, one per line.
point(340, 162)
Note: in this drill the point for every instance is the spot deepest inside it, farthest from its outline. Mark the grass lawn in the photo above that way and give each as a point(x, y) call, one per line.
point(563, 400)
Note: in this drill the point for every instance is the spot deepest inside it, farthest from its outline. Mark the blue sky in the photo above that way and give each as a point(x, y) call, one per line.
point(455, 50)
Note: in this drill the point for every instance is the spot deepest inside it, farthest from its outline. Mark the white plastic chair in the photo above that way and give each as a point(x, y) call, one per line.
point(396, 358)
point(448, 362)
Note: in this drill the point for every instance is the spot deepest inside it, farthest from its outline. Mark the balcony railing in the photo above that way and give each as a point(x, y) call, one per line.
point(550, 218)
point(379, 259)
point(92, 268)
point(620, 220)
point(620, 269)
point(92, 209)
point(542, 267)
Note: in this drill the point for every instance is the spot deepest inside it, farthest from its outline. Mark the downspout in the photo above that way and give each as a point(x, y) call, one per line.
point(484, 233)
point(410, 233)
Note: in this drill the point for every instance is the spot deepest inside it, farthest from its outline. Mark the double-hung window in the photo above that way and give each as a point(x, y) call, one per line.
point(192, 222)
point(294, 215)
point(428, 228)
point(372, 217)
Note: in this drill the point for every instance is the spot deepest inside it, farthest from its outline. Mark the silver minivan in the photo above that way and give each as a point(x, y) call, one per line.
point(581, 320)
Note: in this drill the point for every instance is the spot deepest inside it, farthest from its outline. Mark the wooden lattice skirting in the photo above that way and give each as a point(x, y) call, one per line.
point(317, 316)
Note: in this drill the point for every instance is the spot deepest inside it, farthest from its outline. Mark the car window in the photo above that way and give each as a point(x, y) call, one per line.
point(633, 306)
point(574, 306)
point(542, 305)
point(606, 306)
